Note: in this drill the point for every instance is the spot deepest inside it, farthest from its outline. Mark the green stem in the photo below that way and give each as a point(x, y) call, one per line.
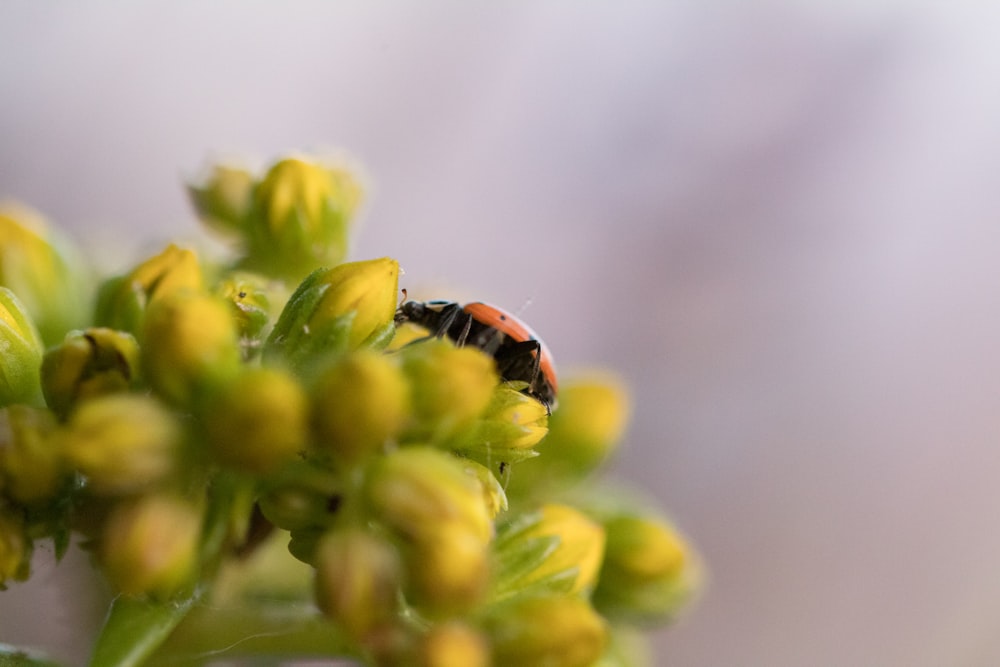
point(135, 628)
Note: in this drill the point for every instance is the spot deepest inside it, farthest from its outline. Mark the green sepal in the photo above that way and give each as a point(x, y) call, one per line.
point(516, 557)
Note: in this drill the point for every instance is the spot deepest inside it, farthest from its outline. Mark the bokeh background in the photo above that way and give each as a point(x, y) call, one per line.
point(778, 221)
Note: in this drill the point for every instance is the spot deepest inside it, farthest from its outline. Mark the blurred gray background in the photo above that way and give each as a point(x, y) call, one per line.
point(777, 221)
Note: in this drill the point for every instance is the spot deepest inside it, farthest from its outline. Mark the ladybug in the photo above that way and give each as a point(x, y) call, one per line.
point(519, 353)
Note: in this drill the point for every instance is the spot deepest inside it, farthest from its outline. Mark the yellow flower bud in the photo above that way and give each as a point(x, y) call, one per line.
point(150, 545)
point(508, 430)
point(337, 309)
point(556, 631)
point(453, 644)
point(224, 200)
point(493, 493)
point(36, 265)
point(257, 420)
point(122, 302)
point(451, 386)
point(189, 344)
point(447, 568)
point(250, 296)
point(22, 353)
point(122, 443)
point(15, 547)
point(649, 571)
point(31, 468)
point(358, 404)
point(301, 214)
point(415, 489)
point(357, 581)
point(88, 363)
point(578, 550)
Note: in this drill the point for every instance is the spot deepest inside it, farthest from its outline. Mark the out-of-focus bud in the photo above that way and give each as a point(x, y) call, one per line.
point(257, 420)
point(357, 581)
point(649, 571)
point(576, 553)
point(15, 547)
point(556, 631)
point(86, 364)
point(358, 404)
point(415, 489)
point(37, 266)
point(451, 387)
point(338, 309)
point(301, 496)
point(31, 469)
point(583, 433)
point(300, 218)
point(223, 200)
point(447, 568)
point(122, 302)
point(150, 545)
point(122, 443)
point(189, 345)
point(22, 353)
point(493, 493)
point(250, 296)
point(453, 644)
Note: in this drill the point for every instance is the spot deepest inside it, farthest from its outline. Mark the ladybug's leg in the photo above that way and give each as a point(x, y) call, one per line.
point(520, 361)
point(464, 335)
point(448, 315)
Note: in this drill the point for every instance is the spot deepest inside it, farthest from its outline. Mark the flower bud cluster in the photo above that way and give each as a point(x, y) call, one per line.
point(206, 407)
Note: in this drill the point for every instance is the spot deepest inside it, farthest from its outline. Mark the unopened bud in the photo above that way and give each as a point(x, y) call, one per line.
point(453, 644)
point(31, 469)
point(447, 568)
point(22, 353)
point(189, 345)
point(122, 302)
point(250, 296)
point(150, 545)
point(507, 432)
point(86, 364)
point(223, 200)
point(556, 631)
point(256, 421)
point(358, 404)
point(335, 310)
point(15, 547)
point(357, 581)
point(122, 443)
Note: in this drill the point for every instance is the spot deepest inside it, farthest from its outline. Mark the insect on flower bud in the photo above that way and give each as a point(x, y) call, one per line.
point(31, 468)
point(22, 353)
point(88, 363)
point(122, 443)
point(122, 302)
point(190, 344)
point(335, 310)
point(39, 267)
point(357, 581)
point(256, 420)
point(150, 545)
point(300, 217)
point(358, 404)
point(649, 570)
point(556, 631)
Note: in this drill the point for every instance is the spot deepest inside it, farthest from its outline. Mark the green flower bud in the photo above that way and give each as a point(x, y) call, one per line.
point(512, 424)
point(300, 218)
point(250, 296)
point(122, 302)
point(22, 353)
point(302, 496)
point(15, 547)
point(358, 404)
point(31, 469)
point(150, 545)
point(37, 266)
point(357, 581)
point(649, 571)
point(447, 568)
point(416, 489)
point(190, 344)
point(577, 552)
point(453, 644)
point(556, 631)
point(88, 363)
point(122, 443)
point(256, 421)
point(337, 309)
point(451, 387)
point(224, 200)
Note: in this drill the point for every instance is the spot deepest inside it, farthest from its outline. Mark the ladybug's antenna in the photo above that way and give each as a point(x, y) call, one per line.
point(404, 299)
point(524, 306)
